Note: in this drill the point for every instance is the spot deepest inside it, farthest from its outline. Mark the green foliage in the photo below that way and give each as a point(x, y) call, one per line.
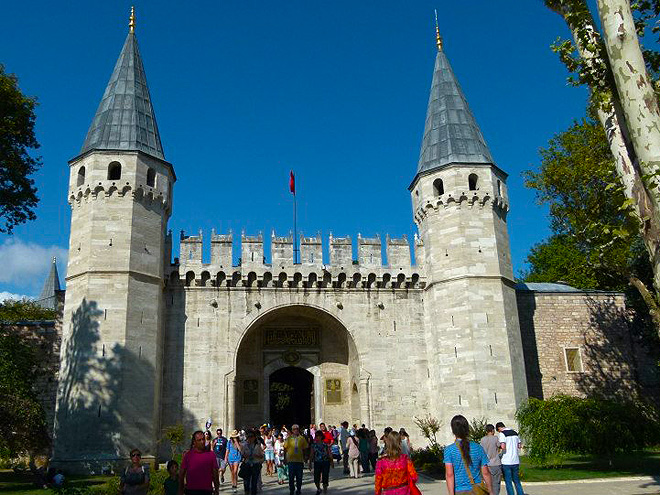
point(17, 119)
point(430, 427)
point(564, 425)
point(477, 429)
point(595, 242)
point(22, 419)
point(174, 435)
point(12, 310)
point(430, 461)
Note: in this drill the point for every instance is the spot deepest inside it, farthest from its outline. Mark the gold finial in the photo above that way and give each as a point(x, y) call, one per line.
point(131, 22)
point(438, 39)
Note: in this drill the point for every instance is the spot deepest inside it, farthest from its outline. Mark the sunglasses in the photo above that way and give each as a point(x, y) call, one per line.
point(136, 455)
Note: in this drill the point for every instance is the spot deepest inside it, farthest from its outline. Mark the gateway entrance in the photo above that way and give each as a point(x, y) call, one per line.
point(290, 395)
point(297, 364)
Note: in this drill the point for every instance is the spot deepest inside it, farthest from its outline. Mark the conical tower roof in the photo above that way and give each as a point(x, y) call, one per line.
point(451, 134)
point(125, 118)
point(48, 296)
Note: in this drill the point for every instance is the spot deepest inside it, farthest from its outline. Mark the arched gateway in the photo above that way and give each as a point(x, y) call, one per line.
point(296, 364)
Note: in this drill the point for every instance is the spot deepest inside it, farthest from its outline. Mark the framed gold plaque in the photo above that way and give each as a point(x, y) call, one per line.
point(333, 391)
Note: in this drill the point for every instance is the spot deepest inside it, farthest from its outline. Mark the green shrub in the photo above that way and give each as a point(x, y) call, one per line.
point(478, 429)
point(429, 460)
point(565, 425)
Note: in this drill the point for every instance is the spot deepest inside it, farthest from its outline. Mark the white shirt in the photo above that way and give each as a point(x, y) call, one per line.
point(511, 440)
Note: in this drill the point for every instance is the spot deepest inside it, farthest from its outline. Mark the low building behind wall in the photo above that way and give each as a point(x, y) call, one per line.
point(580, 343)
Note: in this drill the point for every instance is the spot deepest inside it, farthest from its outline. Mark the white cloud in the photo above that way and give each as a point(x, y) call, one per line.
point(8, 295)
point(25, 265)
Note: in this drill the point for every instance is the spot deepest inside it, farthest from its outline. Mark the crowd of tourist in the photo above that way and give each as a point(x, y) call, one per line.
point(470, 467)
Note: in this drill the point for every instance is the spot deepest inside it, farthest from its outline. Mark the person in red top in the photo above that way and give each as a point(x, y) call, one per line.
point(199, 469)
point(327, 435)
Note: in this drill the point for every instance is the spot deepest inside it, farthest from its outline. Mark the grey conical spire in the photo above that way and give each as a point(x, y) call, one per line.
point(125, 118)
point(48, 296)
point(451, 134)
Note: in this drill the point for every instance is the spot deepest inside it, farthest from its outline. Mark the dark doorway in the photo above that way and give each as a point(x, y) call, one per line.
point(291, 396)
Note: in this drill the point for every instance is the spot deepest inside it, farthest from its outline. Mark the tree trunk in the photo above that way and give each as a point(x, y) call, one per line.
point(613, 121)
point(642, 116)
point(649, 299)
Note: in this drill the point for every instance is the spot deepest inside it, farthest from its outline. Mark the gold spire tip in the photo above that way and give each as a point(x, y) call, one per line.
point(438, 39)
point(131, 22)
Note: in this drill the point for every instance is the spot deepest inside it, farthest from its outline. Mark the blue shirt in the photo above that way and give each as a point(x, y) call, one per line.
point(478, 457)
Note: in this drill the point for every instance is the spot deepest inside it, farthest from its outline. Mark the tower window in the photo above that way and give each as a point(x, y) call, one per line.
point(151, 177)
point(81, 177)
point(499, 187)
point(114, 171)
point(473, 179)
point(438, 187)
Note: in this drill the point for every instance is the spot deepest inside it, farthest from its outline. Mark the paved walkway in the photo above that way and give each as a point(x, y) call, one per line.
point(341, 484)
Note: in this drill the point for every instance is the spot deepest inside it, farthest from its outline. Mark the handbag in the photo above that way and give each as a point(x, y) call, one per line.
point(412, 487)
point(480, 489)
point(243, 470)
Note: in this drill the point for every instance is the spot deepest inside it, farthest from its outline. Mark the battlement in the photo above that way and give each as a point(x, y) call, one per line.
point(368, 270)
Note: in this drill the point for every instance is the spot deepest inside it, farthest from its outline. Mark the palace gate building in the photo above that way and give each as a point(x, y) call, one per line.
point(150, 342)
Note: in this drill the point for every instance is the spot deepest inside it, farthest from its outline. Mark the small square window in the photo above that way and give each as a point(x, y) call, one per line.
point(573, 360)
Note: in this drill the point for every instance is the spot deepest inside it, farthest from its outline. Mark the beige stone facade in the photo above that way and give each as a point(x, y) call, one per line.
point(150, 341)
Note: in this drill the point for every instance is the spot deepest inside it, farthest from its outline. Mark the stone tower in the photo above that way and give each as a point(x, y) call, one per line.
point(460, 204)
point(120, 192)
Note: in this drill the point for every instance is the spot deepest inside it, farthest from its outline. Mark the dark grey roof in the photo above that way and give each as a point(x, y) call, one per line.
point(48, 296)
point(125, 118)
point(451, 134)
point(547, 287)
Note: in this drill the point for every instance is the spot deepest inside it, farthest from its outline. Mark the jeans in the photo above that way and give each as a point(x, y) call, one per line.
point(251, 481)
point(364, 461)
point(344, 456)
point(496, 475)
point(295, 477)
point(511, 478)
point(321, 469)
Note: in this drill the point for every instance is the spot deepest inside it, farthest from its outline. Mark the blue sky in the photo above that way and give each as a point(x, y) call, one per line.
point(244, 91)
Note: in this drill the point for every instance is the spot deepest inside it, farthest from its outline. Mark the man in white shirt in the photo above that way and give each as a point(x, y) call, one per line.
point(510, 443)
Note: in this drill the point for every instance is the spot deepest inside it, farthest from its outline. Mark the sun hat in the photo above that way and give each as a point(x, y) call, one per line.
point(234, 434)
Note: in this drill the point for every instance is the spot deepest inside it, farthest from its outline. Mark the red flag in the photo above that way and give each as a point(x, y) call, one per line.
point(292, 183)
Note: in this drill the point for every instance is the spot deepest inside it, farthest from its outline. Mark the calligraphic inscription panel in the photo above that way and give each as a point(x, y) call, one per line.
point(291, 337)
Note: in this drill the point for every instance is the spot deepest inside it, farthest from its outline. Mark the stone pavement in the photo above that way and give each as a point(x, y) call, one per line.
point(341, 484)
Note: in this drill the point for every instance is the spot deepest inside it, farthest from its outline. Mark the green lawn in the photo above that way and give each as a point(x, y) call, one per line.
point(645, 463)
point(23, 484)
point(581, 467)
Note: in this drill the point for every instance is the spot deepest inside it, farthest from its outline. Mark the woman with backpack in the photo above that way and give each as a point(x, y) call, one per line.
point(253, 456)
point(466, 463)
point(134, 479)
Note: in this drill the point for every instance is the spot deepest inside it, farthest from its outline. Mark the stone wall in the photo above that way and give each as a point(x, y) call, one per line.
point(594, 323)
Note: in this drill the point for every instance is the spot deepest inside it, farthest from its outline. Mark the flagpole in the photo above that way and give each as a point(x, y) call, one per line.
point(295, 230)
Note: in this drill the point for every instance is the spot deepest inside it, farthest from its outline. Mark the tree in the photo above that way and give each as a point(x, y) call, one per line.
point(621, 91)
point(12, 310)
point(18, 195)
point(596, 242)
point(22, 419)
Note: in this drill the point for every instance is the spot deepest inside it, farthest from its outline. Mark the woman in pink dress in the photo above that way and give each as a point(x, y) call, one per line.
point(394, 471)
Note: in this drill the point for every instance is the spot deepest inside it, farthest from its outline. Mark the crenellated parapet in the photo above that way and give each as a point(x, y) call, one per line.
point(368, 270)
point(471, 199)
point(108, 189)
